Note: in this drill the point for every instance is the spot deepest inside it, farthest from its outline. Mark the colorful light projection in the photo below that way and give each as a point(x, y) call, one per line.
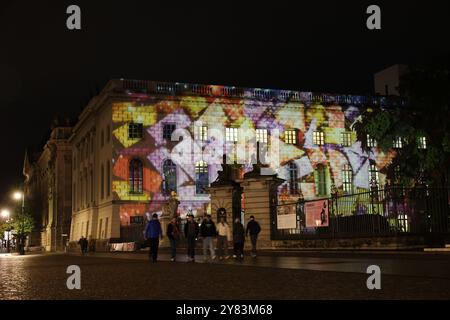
point(218, 113)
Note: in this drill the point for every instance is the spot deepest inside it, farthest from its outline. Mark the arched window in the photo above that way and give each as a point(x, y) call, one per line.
point(347, 178)
point(373, 174)
point(293, 176)
point(201, 177)
point(135, 176)
point(170, 177)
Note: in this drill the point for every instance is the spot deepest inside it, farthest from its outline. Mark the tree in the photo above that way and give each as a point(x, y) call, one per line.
point(422, 128)
point(22, 225)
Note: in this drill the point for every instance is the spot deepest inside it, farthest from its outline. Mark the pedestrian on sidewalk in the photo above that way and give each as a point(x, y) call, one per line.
point(173, 232)
point(153, 232)
point(91, 244)
point(223, 236)
point(83, 245)
point(253, 229)
point(238, 239)
point(207, 233)
point(191, 231)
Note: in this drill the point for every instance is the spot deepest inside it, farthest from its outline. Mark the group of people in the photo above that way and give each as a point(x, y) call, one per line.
point(86, 245)
point(207, 231)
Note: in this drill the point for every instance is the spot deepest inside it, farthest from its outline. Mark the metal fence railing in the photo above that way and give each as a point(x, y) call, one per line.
point(378, 212)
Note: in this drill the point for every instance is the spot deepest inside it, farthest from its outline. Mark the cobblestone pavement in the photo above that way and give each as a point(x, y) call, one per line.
point(43, 276)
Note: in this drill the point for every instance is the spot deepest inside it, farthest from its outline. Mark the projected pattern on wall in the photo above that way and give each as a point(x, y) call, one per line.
point(313, 162)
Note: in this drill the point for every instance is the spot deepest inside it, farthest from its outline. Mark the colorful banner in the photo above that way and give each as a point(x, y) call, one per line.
point(316, 213)
point(286, 217)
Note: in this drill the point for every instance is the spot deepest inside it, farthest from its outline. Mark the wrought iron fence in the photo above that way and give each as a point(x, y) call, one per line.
point(391, 211)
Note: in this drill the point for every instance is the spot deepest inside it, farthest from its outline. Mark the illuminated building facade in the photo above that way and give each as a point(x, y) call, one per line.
point(138, 141)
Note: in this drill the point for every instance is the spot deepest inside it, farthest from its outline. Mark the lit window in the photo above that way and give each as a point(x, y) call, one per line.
point(371, 143)
point(346, 139)
point(290, 136)
point(403, 223)
point(136, 176)
point(261, 135)
point(200, 133)
point(347, 177)
point(231, 134)
point(135, 131)
point(373, 174)
point(321, 181)
point(293, 175)
point(201, 177)
point(422, 142)
point(318, 138)
point(170, 177)
point(168, 129)
point(398, 143)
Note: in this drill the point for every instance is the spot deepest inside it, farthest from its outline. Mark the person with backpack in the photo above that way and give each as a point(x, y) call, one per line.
point(253, 229)
point(207, 233)
point(173, 232)
point(191, 230)
point(153, 232)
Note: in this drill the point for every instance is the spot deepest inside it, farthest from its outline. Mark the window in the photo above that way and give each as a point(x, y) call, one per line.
point(231, 134)
point(102, 182)
point(318, 138)
point(422, 142)
point(397, 174)
point(201, 177)
point(403, 223)
point(106, 227)
point(371, 143)
point(170, 177)
point(373, 174)
point(135, 130)
point(398, 143)
point(135, 176)
point(290, 136)
point(346, 139)
point(262, 135)
point(293, 175)
point(347, 177)
point(108, 179)
point(92, 185)
point(100, 229)
point(321, 180)
point(200, 133)
point(168, 129)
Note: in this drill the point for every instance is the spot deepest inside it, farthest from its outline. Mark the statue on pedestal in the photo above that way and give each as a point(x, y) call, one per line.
point(170, 209)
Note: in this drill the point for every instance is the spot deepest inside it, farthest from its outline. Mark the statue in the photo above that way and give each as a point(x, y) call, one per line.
point(170, 209)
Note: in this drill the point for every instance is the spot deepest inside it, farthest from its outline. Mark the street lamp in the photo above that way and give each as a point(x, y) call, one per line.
point(19, 195)
point(6, 214)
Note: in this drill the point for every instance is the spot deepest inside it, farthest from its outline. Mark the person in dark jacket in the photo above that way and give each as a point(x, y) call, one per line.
point(253, 229)
point(153, 232)
point(238, 239)
point(173, 232)
point(83, 242)
point(207, 233)
point(191, 231)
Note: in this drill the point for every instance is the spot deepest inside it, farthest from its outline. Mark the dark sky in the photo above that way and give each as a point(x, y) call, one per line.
point(47, 70)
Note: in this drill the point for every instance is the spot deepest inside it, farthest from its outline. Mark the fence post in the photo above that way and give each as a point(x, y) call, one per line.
point(374, 201)
point(335, 210)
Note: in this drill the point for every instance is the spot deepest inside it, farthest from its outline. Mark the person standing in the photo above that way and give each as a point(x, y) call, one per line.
point(173, 232)
point(253, 229)
point(83, 245)
point(207, 233)
point(238, 239)
point(191, 231)
point(153, 232)
point(223, 236)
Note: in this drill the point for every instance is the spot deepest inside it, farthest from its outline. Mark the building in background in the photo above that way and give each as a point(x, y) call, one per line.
point(47, 189)
point(138, 142)
point(387, 81)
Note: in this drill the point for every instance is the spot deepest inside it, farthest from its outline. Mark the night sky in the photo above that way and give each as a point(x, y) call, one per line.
point(47, 70)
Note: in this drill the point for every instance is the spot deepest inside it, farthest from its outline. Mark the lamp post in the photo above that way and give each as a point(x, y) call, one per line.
point(6, 214)
point(20, 196)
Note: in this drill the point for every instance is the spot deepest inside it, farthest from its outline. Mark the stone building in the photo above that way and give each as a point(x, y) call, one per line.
point(47, 189)
point(138, 142)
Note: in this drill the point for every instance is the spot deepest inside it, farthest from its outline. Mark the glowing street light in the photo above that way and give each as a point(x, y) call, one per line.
point(5, 214)
point(17, 195)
